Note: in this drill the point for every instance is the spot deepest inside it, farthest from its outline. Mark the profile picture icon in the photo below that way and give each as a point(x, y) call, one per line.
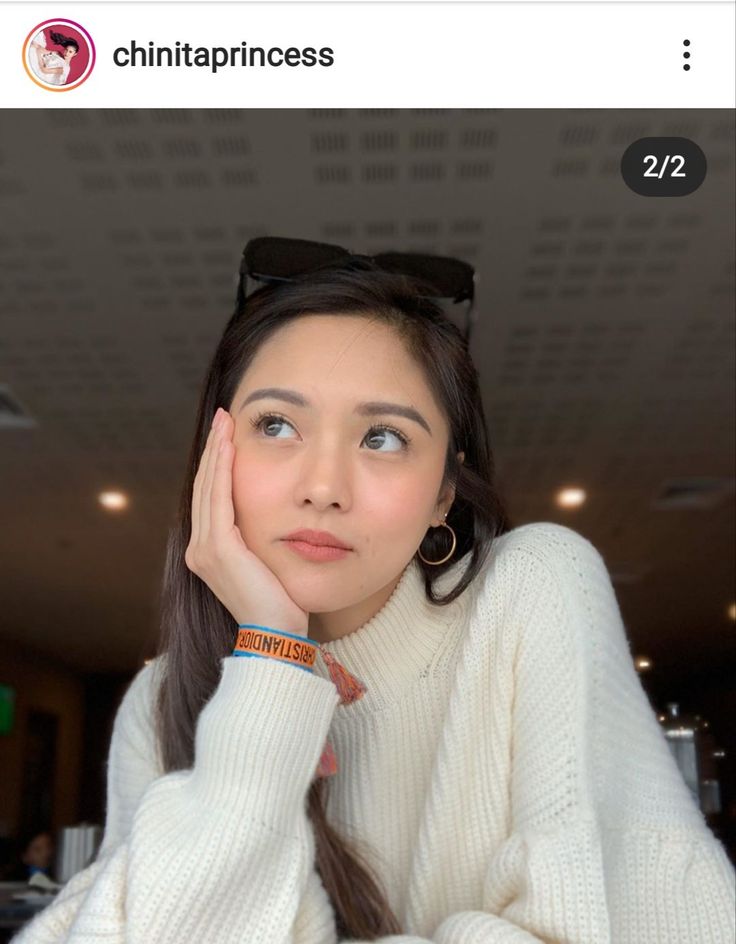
point(58, 55)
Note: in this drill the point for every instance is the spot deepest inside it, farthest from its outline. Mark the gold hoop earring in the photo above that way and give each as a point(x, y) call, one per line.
point(447, 556)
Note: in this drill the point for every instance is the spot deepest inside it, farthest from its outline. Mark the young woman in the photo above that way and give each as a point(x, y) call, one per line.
point(49, 65)
point(434, 733)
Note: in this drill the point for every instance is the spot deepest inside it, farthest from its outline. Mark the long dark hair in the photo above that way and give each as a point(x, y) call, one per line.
point(197, 631)
point(59, 39)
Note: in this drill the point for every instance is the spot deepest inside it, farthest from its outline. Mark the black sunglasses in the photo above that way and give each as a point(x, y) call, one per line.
point(280, 259)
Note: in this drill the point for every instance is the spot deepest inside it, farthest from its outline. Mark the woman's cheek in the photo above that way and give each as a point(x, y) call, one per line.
point(403, 512)
point(254, 491)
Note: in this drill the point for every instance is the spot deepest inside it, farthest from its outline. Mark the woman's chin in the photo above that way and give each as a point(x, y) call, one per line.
point(314, 593)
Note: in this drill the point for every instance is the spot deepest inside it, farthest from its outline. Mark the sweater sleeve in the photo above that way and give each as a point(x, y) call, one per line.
point(221, 853)
point(606, 845)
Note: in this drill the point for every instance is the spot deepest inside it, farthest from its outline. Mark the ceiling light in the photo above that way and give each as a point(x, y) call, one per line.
point(571, 497)
point(114, 501)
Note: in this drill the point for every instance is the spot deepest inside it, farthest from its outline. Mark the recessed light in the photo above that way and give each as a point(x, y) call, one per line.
point(114, 501)
point(571, 497)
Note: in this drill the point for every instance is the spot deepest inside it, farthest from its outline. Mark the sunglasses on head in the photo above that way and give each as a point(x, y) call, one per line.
point(278, 259)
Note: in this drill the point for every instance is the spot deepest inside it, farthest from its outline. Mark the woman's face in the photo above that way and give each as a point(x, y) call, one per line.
point(322, 466)
point(69, 52)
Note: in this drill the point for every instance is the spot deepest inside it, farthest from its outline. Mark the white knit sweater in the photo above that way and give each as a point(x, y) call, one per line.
point(505, 768)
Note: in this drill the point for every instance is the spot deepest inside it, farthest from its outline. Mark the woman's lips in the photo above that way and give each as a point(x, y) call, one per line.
point(316, 552)
point(316, 537)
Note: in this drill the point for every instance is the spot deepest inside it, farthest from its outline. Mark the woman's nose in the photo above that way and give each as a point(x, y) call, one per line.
point(324, 478)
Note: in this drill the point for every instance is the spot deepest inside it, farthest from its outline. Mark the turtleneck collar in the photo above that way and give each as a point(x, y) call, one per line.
point(391, 650)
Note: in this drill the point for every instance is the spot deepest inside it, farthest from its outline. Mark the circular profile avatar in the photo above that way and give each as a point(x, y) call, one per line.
point(58, 55)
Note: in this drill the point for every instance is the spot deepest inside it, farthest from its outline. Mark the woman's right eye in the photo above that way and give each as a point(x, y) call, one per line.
point(260, 422)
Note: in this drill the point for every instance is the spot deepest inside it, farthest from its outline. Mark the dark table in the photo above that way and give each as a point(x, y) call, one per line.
point(14, 914)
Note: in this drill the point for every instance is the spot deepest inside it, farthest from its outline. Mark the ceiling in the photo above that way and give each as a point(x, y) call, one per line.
point(605, 336)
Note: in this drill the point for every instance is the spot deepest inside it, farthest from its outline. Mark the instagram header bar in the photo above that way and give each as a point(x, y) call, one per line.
point(550, 55)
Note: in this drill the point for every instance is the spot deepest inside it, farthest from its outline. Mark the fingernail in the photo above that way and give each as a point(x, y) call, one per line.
point(217, 417)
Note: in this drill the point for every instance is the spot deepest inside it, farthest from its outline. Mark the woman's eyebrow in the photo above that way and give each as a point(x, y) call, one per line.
point(371, 408)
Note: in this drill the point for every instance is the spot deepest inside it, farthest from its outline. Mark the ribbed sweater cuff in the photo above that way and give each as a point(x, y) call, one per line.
point(259, 739)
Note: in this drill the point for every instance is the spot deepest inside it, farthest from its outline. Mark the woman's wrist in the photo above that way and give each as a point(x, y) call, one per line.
point(255, 640)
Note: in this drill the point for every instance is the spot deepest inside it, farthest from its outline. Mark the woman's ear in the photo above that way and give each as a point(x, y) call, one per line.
point(445, 503)
point(448, 497)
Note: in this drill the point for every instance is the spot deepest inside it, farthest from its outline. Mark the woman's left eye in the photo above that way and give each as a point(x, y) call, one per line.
point(383, 430)
point(264, 420)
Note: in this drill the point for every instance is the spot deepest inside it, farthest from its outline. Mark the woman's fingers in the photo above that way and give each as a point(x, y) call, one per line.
point(213, 513)
point(200, 499)
point(206, 493)
point(222, 511)
point(197, 491)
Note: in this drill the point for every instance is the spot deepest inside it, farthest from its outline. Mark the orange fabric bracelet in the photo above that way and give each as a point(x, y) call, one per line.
point(275, 644)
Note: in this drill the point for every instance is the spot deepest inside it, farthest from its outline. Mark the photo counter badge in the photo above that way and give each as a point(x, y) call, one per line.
point(58, 55)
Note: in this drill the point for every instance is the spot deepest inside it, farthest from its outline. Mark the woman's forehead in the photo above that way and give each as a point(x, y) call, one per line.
point(339, 362)
point(331, 350)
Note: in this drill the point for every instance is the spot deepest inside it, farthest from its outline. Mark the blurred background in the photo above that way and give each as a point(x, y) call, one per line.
point(604, 341)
